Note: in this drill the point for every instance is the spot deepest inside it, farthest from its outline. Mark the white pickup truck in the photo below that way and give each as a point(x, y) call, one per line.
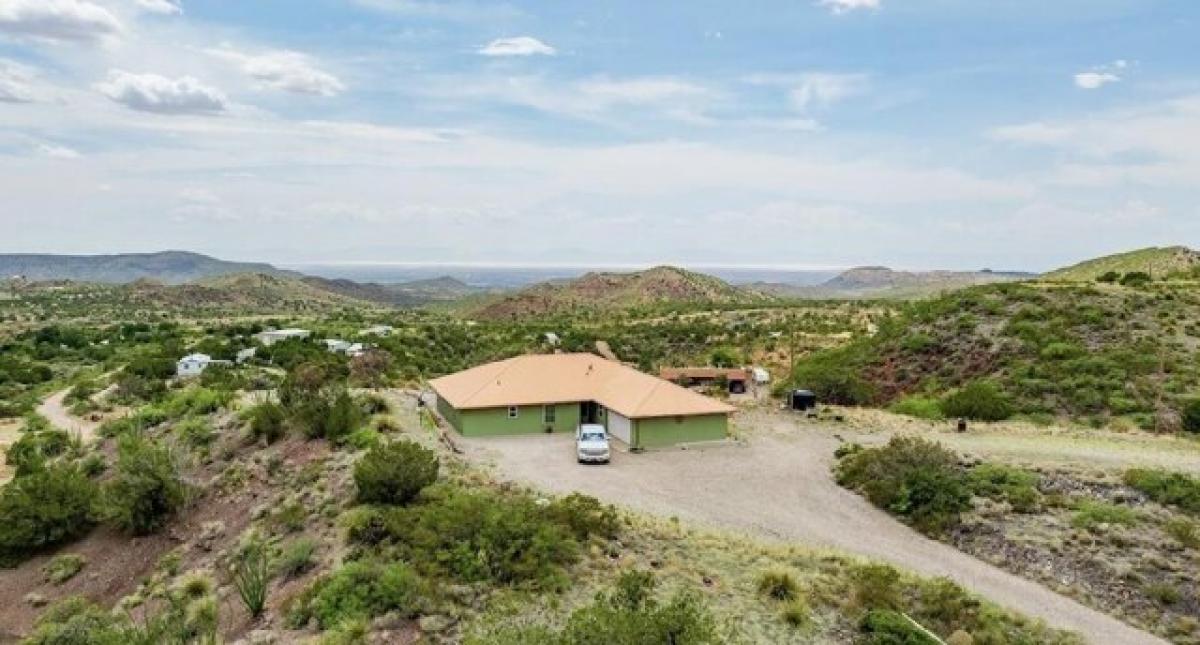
point(591, 444)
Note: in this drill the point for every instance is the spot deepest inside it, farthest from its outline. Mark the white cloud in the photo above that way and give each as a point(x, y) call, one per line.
point(165, 7)
point(1095, 80)
point(58, 20)
point(810, 90)
point(55, 151)
point(154, 93)
point(283, 70)
point(517, 46)
point(845, 6)
point(15, 82)
point(638, 91)
point(1033, 133)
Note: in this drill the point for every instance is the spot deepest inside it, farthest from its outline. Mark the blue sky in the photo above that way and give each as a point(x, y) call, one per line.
point(810, 133)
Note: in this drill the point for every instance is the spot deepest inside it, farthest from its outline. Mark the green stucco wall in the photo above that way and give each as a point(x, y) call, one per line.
point(667, 431)
point(449, 413)
point(495, 421)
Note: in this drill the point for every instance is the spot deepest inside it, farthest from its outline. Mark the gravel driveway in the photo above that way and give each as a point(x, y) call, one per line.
point(778, 486)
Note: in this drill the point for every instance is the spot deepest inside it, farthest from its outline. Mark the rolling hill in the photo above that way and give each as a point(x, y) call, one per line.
point(169, 267)
point(402, 294)
point(616, 291)
point(882, 282)
point(1158, 262)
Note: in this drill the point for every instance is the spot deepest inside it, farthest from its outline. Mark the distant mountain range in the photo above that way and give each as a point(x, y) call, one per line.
point(1158, 262)
point(168, 267)
point(403, 294)
point(882, 282)
point(598, 292)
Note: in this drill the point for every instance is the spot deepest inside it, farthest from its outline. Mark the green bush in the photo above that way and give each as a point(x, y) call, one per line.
point(295, 557)
point(394, 473)
point(267, 422)
point(778, 584)
point(31, 452)
point(978, 400)
point(45, 508)
point(146, 489)
point(796, 612)
point(1013, 485)
point(875, 586)
point(1089, 514)
point(910, 477)
point(1166, 487)
point(833, 382)
point(1191, 415)
point(62, 568)
point(77, 621)
point(252, 577)
point(1184, 531)
point(358, 591)
point(921, 407)
point(886, 627)
point(586, 516)
point(473, 537)
point(1136, 279)
point(196, 432)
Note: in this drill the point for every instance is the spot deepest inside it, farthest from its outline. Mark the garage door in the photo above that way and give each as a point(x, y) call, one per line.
point(620, 427)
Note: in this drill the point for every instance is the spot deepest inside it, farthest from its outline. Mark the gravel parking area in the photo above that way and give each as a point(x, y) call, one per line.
point(777, 485)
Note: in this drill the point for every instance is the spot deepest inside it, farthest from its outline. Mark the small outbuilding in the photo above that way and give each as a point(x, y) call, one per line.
point(733, 378)
point(194, 365)
point(272, 336)
point(555, 393)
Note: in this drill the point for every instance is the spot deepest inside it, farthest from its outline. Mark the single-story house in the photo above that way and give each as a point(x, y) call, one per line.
point(541, 393)
point(734, 378)
point(244, 355)
point(272, 336)
point(195, 364)
point(377, 330)
point(344, 347)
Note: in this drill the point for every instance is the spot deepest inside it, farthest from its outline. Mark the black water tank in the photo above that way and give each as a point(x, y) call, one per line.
point(803, 400)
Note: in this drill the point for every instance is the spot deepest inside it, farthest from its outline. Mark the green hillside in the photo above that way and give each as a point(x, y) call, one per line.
point(659, 286)
point(1157, 262)
point(171, 267)
point(1083, 352)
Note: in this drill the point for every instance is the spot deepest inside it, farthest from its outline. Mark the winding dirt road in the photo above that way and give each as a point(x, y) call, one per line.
point(779, 487)
point(55, 410)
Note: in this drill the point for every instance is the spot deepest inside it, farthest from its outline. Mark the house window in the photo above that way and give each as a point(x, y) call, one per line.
point(548, 413)
point(512, 411)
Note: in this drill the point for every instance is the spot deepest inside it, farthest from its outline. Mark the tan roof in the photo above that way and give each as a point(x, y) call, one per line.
point(540, 379)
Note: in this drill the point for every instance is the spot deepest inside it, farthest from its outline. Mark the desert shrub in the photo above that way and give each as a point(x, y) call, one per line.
point(359, 590)
point(886, 627)
point(875, 586)
point(1136, 279)
point(1162, 593)
point(290, 517)
point(77, 621)
point(1166, 487)
point(362, 439)
point(473, 537)
point(585, 516)
point(1184, 531)
point(372, 404)
point(295, 557)
point(315, 397)
point(1016, 486)
point(33, 449)
point(1089, 514)
point(394, 473)
point(1190, 416)
point(796, 612)
point(778, 584)
point(630, 614)
point(833, 381)
point(921, 407)
point(268, 422)
point(252, 576)
point(195, 401)
point(910, 477)
point(48, 507)
point(62, 568)
point(197, 432)
point(978, 400)
point(1108, 277)
point(146, 489)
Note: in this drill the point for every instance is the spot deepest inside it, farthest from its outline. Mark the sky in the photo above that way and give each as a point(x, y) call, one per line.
point(801, 133)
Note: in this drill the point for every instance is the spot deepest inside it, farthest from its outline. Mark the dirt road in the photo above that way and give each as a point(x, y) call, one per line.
point(778, 486)
point(55, 410)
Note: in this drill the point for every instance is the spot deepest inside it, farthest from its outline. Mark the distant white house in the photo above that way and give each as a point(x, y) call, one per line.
point(195, 364)
point(272, 336)
point(338, 346)
point(761, 376)
point(246, 354)
point(377, 330)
